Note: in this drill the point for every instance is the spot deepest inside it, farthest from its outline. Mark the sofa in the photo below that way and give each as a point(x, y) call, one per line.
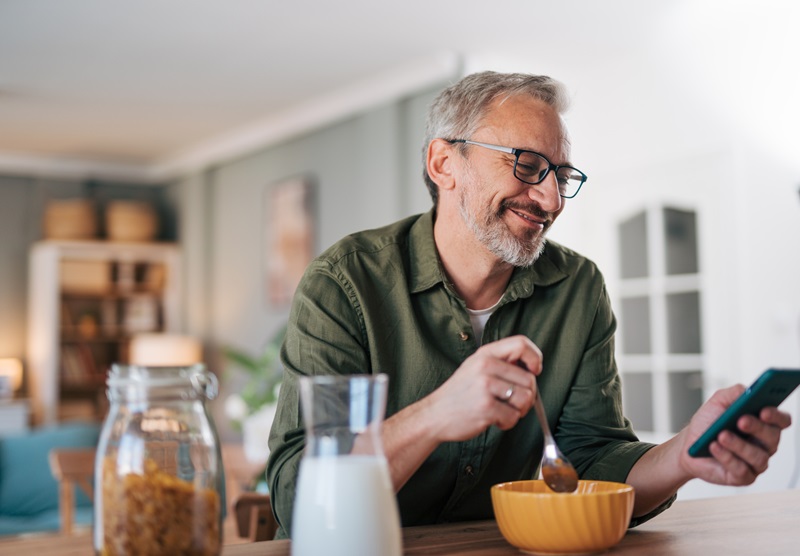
point(28, 491)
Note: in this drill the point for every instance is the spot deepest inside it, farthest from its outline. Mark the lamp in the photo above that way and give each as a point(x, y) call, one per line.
point(164, 350)
point(11, 374)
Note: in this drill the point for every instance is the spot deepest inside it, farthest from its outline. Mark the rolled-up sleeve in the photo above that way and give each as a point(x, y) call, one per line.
point(323, 337)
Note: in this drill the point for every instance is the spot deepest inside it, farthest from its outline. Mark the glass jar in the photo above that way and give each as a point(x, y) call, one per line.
point(158, 473)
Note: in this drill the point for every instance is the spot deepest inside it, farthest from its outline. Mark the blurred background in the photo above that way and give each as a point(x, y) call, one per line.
point(144, 148)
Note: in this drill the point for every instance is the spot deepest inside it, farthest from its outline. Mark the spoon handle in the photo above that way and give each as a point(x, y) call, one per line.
point(539, 407)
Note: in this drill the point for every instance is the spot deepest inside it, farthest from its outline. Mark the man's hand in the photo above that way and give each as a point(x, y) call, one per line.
point(492, 387)
point(735, 460)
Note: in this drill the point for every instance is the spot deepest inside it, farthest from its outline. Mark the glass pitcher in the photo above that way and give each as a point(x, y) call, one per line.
point(345, 504)
point(158, 473)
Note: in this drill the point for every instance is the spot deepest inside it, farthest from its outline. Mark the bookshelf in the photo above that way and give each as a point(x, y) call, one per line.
point(86, 301)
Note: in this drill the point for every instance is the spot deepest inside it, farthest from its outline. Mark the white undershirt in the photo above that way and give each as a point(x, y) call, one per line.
point(478, 319)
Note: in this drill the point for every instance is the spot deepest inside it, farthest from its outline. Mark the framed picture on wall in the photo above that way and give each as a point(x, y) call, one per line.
point(289, 237)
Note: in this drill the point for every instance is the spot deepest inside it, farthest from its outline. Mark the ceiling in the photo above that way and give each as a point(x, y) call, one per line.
point(157, 86)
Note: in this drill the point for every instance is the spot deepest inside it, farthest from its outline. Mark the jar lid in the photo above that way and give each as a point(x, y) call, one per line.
point(187, 378)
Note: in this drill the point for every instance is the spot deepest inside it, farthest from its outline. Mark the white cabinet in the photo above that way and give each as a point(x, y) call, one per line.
point(661, 343)
point(86, 300)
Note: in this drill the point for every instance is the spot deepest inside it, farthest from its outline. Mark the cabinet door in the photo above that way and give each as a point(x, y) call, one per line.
point(661, 344)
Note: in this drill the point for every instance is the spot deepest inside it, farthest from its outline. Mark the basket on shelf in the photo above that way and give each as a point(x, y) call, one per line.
point(131, 221)
point(70, 219)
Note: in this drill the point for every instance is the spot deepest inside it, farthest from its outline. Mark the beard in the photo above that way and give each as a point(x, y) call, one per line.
point(490, 229)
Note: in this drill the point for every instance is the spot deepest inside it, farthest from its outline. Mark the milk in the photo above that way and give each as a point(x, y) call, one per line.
point(345, 506)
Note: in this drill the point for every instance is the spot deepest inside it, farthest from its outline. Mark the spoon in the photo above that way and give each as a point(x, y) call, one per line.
point(557, 471)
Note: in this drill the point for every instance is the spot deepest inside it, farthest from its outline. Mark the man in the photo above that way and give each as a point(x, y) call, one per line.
point(472, 314)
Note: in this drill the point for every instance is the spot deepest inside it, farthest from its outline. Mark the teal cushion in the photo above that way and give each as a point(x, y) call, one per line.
point(45, 521)
point(27, 486)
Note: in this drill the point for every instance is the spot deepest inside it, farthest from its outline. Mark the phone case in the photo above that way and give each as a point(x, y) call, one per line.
point(769, 389)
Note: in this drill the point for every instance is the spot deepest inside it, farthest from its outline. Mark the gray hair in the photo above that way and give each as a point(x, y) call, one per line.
point(457, 112)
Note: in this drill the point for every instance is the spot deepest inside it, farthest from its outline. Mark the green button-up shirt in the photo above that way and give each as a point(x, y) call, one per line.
point(379, 302)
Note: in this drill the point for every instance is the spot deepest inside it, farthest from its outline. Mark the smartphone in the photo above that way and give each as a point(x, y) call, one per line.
point(769, 389)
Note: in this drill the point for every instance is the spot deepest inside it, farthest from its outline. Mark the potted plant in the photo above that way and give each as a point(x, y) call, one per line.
point(252, 409)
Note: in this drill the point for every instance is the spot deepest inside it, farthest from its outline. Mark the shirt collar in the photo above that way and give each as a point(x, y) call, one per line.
point(426, 269)
point(544, 272)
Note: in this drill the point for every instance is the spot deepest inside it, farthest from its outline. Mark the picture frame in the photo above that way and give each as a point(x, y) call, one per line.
point(289, 233)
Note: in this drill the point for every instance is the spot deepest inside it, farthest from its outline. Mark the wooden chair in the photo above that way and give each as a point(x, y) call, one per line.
point(70, 467)
point(239, 472)
point(254, 518)
point(252, 511)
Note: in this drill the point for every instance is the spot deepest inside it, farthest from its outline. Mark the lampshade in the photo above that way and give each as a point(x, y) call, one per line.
point(165, 350)
point(12, 368)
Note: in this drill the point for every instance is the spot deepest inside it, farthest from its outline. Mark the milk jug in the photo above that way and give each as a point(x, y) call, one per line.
point(344, 504)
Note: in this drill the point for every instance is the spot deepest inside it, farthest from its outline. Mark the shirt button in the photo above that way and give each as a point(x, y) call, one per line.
point(469, 471)
point(464, 336)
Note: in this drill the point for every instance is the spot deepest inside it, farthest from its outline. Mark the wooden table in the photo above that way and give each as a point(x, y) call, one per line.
point(748, 524)
point(77, 544)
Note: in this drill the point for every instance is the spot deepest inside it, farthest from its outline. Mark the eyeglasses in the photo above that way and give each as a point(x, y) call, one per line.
point(532, 168)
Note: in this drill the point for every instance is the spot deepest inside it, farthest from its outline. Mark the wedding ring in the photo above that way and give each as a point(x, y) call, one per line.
point(509, 393)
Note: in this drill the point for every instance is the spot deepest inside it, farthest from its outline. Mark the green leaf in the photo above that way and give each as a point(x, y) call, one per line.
point(243, 360)
point(265, 371)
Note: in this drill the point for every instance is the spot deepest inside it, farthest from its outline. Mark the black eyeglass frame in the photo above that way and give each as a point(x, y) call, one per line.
point(517, 153)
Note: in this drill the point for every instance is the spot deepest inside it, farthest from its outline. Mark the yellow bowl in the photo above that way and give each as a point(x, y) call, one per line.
point(535, 519)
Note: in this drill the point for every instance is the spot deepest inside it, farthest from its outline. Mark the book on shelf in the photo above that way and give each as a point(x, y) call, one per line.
point(72, 371)
point(77, 364)
point(109, 317)
point(155, 277)
point(87, 360)
point(67, 321)
point(126, 276)
point(141, 314)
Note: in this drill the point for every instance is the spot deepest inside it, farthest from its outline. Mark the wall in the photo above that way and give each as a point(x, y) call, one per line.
point(17, 201)
point(366, 173)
